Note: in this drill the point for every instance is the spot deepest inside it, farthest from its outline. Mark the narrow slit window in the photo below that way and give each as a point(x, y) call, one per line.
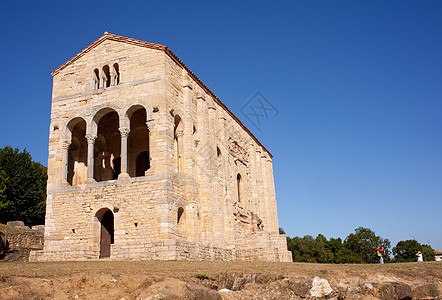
point(180, 214)
point(238, 186)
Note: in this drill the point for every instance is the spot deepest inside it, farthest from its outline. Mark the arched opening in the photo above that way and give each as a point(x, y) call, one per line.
point(107, 150)
point(238, 186)
point(142, 163)
point(96, 79)
point(106, 219)
point(77, 153)
point(177, 143)
point(138, 142)
point(117, 74)
point(106, 71)
point(180, 215)
point(218, 152)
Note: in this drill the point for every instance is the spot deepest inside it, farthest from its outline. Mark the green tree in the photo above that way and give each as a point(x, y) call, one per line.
point(308, 249)
point(360, 247)
point(334, 245)
point(22, 187)
point(405, 251)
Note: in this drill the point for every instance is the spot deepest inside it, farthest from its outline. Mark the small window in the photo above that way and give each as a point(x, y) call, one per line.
point(180, 214)
point(96, 79)
point(107, 74)
point(218, 152)
point(117, 74)
point(238, 186)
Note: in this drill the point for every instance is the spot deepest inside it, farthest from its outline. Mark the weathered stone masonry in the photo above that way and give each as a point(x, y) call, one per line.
point(146, 163)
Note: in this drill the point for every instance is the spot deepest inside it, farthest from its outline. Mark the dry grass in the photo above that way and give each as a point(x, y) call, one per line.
point(212, 268)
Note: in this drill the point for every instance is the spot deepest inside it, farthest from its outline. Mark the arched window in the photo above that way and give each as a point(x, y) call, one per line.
point(77, 153)
point(96, 79)
point(138, 142)
point(180, 214)
point(177, 144)
point(107, 147)
point(218, 152)
point(238, 186)
point(107, 74)
point(117, 74)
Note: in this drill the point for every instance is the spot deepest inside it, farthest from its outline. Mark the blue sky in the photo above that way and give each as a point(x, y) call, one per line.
point(357, 84)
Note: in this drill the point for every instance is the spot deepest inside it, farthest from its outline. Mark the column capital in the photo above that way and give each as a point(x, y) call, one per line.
point(124, 131)
point(65, 144)
point(90, 138)
point(150, 124)
point(179, 133)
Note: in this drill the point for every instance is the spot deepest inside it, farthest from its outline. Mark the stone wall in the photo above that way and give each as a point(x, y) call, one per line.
point(207, 172)
point(17, 242)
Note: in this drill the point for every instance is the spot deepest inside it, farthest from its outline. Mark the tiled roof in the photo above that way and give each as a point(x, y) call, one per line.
point(437, 252)
point(114, 37)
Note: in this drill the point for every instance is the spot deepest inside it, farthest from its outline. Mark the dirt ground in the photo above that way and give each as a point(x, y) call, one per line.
point(203, 280)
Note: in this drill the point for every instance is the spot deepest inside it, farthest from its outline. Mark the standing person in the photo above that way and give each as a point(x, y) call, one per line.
point(419, 256)
point(380, 251)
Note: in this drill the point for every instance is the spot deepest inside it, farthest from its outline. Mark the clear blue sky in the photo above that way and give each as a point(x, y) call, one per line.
point(358, 137)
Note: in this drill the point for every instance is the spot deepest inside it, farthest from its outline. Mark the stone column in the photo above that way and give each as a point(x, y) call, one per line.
point(103, 81)
point(124, 131)
point(206, 222)
point(254, 184)
point(265, 184)
point(227, 208)
point(64, 169)
point(90, 157)
point(113, 76)
point(214, 178)
point(272, 197)
point(179, 137)
point(261, 190)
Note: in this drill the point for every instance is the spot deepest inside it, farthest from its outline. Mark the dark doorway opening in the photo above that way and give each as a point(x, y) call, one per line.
point(142, 163)
point(106, 234)
point(117, 167)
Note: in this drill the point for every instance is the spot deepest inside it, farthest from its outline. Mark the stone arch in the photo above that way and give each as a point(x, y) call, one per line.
point(138, 145)
point(107, 145)
point(115, 74)
point(76, 158)
point(105, 219)
point(99, 112)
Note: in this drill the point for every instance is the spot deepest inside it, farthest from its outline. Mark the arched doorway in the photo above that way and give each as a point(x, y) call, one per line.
point(106, 232)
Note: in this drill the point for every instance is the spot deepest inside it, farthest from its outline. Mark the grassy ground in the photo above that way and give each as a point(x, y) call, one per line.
point(189, 268)
point(143, 279)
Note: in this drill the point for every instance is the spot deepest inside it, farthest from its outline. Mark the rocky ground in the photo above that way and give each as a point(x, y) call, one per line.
point(218, 280)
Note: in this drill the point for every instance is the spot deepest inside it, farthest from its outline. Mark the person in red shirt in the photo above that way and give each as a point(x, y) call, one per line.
point(380, 251)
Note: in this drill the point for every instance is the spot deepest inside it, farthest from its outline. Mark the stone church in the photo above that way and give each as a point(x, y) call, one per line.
point(145, 162)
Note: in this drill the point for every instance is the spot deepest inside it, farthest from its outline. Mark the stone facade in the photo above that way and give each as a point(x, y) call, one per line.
point(145, 162)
